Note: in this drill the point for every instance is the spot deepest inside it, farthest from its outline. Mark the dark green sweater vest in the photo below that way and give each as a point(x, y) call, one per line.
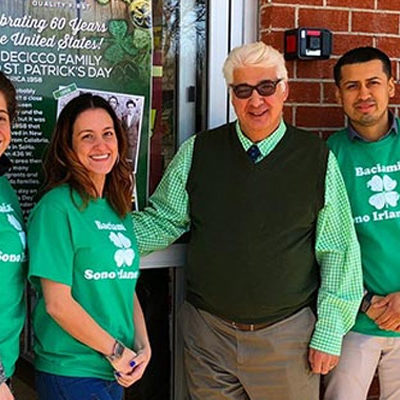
point(251, 254)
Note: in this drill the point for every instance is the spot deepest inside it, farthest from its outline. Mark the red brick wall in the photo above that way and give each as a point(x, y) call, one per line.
point(353, 23)
point(311, 103)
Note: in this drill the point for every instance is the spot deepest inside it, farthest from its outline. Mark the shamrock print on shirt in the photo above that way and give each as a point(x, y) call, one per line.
point(124, 255)
point(386, 195)
point(15, 223)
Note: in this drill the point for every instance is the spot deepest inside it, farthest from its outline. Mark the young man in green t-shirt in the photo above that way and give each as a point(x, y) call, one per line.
point(368, 153)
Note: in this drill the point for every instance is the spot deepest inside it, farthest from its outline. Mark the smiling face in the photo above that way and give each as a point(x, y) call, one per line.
point(94, 141)
point(258, 115)
point(5, 125)
point(364, 91)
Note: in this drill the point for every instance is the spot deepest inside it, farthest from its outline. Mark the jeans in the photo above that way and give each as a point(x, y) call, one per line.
point(56, 387)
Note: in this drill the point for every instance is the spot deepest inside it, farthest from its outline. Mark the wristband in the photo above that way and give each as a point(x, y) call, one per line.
point(3, 377)
point(118, 350)
point(366, 302)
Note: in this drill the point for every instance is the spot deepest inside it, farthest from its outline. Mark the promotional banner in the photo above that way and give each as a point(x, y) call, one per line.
point(54, 50)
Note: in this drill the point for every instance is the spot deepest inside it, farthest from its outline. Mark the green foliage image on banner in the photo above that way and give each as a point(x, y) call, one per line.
point(53, 50)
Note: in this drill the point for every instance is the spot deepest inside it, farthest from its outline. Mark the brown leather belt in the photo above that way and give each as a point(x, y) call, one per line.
point(248, 327)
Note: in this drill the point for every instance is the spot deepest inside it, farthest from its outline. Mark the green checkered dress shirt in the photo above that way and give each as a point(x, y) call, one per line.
point(337, 251)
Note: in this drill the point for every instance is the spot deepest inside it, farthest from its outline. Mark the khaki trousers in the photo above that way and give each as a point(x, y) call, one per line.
point(361, 355)
point(223, 363)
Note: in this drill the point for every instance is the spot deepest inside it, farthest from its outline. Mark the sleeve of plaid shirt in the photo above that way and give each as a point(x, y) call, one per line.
point(167, 216)
point(338, 255)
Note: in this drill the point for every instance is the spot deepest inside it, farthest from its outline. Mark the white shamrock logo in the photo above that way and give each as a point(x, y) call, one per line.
point(15, 223)
point(386, 196)
point(125, 255)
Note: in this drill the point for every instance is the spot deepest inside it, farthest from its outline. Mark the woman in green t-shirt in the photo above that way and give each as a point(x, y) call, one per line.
point(90, 334)
point(12, 249)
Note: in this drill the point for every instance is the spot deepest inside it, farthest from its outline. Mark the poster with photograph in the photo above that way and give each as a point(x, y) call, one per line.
point(102, 46)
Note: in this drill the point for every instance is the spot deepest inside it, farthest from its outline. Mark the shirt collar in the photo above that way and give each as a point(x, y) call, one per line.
point(393, 127)
point(266, 145)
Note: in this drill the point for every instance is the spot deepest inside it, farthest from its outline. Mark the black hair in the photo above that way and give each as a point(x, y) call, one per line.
point(361, 55)
point(113, 97)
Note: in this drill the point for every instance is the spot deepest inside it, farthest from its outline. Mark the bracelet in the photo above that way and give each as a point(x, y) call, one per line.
point(118, 350)
point(3, 377)
point(366, 302)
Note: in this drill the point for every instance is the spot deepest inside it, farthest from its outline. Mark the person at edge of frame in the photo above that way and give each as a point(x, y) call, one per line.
point(273, 272)
point(368, 153)
point(12, 250)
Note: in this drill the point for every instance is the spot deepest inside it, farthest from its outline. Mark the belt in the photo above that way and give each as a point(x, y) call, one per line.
point(247, 327)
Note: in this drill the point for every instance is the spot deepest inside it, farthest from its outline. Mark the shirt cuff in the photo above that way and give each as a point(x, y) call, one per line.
point(327, 342)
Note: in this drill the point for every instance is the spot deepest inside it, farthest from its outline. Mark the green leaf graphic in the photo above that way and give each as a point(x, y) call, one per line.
point(127, 44)
point(114, 54)
point(141, 38)
point(118, 28)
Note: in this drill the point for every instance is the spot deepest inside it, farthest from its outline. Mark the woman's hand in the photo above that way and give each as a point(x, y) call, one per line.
point(5, 392)
point(125, 363)
point(140, 362)
point(142, 345)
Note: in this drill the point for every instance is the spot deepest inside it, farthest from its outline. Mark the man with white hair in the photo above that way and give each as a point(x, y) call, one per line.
point(273, 275)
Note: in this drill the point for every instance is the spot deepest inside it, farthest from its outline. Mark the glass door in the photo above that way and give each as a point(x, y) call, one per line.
point(178, 111)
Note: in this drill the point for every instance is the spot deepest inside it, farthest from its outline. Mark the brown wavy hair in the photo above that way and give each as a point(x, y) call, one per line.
point(10, 95)
point(62, 166)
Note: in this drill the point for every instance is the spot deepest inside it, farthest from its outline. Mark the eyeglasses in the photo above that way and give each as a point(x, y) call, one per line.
point(264, 88)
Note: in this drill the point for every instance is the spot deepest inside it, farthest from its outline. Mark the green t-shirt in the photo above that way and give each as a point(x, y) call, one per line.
point(371, 171)
point(12, 275)
point(94, 252)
